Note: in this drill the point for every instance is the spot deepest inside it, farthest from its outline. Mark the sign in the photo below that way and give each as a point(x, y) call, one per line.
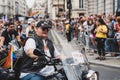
point(21, 18)
point(34, 13)
point(78, 57)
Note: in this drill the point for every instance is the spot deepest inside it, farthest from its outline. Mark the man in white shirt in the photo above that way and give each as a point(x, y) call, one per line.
point(31, 51)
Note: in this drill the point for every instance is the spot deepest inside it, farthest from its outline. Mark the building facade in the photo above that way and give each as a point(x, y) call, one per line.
point(81, 7)
point(12, 8)
point(58, 8)
point(20, 8)
point(6, 7)
point(78, 8)
point(88, 7)
point(101, 6)
point(49, 8)
point(39, 8)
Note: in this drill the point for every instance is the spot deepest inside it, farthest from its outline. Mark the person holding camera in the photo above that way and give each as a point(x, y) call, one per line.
point(35, 49)
point(9, 34)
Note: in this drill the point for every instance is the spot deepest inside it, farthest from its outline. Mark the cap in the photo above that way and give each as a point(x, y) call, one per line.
point(43, 24)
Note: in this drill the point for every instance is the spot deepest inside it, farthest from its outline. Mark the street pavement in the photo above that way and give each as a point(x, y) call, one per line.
point(69, 47)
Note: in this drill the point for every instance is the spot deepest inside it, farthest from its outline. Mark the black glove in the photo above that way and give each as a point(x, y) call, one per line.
point(39, 64)
point(38, 52)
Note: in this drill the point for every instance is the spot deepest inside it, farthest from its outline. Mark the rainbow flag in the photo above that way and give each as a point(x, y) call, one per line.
point(10, 58)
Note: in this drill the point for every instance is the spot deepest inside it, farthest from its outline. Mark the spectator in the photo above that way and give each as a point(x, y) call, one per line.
point(86, 30)
point(9, 34)
point(68, 31)
point(117, 34)
point(101, 35)
point(81, 29)
point(91, 32)
point(30, 30)
point(110, 42)
point(76, 31)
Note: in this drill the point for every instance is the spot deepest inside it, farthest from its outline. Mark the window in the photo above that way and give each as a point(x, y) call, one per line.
point(104, 6)
point(16, 7)
point(113, 6)
point(3, 0)
point(80, 3)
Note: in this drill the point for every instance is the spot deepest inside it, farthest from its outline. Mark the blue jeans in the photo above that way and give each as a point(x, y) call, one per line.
point(33, 76)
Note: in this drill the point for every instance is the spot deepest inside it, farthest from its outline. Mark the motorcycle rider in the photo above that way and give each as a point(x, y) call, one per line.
point(46, 46)
point(9, 34)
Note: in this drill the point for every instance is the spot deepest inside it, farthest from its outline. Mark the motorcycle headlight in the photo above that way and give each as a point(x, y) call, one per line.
point(90, 75)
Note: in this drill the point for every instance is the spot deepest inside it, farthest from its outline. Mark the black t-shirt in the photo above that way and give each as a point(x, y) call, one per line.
point(8, 37)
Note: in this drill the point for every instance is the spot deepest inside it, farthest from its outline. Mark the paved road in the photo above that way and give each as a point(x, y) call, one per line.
point(107, 73)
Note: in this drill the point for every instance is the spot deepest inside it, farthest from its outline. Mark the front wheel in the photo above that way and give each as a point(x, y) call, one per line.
point(90, 75)
point(95, 76)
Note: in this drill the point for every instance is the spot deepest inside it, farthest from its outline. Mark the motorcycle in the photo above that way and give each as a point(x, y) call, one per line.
point(88, 73)
point(12, 74)
point(79, 66)
point(59, 73)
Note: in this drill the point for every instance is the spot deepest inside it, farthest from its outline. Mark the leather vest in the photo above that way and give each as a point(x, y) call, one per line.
point(27, 62)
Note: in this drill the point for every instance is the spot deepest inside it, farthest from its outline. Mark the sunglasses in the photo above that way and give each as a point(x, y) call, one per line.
point(45, 29)
point(11, 26)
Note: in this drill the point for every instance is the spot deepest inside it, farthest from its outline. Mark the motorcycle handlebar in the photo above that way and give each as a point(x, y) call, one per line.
point(54, 61)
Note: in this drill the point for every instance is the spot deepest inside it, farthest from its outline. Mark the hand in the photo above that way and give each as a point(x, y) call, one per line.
point(101, 30)
point(34, 56)
point(30, 53)
point(2, 48)
point(95, 30)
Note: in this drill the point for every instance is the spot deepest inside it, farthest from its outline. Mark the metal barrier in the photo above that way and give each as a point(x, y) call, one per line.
point(110, 44)
point(81, 39)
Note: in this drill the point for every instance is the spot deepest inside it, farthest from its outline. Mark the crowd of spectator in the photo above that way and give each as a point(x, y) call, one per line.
point(100, 33)
point(97, 32)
